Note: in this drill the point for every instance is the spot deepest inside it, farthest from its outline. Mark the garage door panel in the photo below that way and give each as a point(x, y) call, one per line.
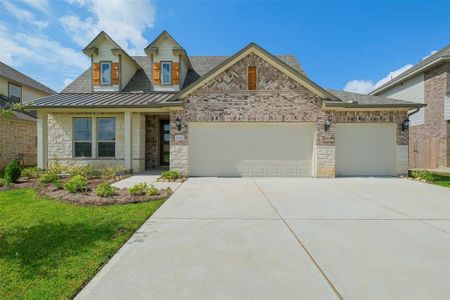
point(365, 149)
point(250, 149)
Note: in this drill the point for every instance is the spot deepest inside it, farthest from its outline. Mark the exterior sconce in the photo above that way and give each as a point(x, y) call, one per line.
point(327, 124)
point(405, 124)
point(178, 123)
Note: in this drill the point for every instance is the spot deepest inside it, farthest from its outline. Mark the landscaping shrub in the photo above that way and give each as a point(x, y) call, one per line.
point(56, 168)
point(139, 189)
point(171, 175)
point(105, 190)
point(85, 171)
point(12, 171)
point(151, 191)
point(49, 177)
point(77, 183)
point(31, 172)
point(108, 173)
point(3, 182)
point(422, 175)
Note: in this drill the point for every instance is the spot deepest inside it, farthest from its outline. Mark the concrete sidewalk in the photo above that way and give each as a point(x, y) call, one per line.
point(286, 238)
point(149, 177)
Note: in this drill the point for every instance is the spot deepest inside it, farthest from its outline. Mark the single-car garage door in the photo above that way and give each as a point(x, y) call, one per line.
point(250, 149)
point(365, 149)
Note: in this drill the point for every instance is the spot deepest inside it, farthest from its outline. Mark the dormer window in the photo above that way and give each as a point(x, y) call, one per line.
point(105, 68)
point(166, 72)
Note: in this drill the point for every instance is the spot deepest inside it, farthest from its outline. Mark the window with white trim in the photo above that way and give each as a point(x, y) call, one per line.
point(166, 74)
point(106, 137)
point(82, 137)
point(105, 75)
point(14, 92)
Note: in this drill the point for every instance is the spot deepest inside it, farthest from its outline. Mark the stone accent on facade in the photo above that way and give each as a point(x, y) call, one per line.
point(138, 150)
point(17, 136)
point(179, 148)
point(430, 141)
point(324, 162)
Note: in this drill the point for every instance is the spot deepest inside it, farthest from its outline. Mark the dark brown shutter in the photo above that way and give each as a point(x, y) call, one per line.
point(115, 73)
point(175, 73)
point(252, 78)
point(96, 73)
point(156, 74)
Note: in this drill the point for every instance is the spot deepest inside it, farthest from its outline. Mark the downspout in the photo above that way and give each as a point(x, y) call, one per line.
point(414, 112)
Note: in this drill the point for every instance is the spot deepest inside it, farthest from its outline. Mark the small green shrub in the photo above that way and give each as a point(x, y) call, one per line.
point(139, 189)
point(48, 177)
point(77, 183)
point(151, 191)
point(56, 168)
point(3, 182)
point(108, 173)
point(105, 190)
point(86, 171)
point(31, 172)
point(422, 175)
point(12, 171)
point(170, 175)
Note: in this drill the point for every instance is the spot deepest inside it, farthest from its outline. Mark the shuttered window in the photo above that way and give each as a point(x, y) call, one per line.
point(252, 78)
point(166, 73)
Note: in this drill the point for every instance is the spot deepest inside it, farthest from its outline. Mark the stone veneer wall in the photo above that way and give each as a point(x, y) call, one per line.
point(278, 98)
point(60, 140)
point(434, 133)
point(17, 136)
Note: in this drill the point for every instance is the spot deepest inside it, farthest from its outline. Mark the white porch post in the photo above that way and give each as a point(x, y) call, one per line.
point(42, 140)
point(128, 151)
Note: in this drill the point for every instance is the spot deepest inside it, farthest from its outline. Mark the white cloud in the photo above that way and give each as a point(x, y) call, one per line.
point(24, 15)
point(124, 21)
point(67, 81)
point(41, 5)
point(366, 86)
point(431, 53)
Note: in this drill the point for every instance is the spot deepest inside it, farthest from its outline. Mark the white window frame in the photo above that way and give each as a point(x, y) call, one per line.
point(74, 140)
point(162, 72)
point(15, 85)
point(98, 140)
point(101, 72)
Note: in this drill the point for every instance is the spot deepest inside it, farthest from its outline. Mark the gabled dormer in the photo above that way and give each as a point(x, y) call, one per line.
point(112, 67)
point(169, 61)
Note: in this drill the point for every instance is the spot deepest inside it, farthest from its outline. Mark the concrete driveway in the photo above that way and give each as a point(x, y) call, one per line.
point(274, 238)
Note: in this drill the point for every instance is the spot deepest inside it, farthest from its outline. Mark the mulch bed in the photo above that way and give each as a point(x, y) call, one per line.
point(86, 198)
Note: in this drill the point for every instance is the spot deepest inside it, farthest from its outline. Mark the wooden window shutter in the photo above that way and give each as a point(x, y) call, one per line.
point(96, 73)
point(156, 74)
point(175, 73)
point(252, 78)
point(115, 73)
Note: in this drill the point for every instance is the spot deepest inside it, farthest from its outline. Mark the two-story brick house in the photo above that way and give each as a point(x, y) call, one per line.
point(428, 82)
point(249, 114)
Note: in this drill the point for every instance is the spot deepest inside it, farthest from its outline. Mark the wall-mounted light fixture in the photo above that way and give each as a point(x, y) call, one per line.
point(327, 124)
point(405, 124)
point(178, 123)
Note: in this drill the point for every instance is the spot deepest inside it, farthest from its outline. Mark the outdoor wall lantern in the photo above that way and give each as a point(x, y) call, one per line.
point(405, 124)
point(327, 124)
point(178, 123)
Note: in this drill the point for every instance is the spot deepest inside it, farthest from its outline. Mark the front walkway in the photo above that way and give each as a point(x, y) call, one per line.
point(286, 238)
point(149, 177)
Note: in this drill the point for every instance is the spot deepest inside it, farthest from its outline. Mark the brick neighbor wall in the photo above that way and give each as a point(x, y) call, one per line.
point(431, 138)
point(17, 136)
point(278, 98)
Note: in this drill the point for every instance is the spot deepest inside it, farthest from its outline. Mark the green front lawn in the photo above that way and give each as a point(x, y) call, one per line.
point(442, 179)
point(49, 249)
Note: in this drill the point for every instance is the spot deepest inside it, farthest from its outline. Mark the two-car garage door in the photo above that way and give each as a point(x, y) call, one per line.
point(250, 149)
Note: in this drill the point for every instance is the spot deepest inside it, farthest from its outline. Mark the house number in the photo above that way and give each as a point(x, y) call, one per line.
point(179, 137)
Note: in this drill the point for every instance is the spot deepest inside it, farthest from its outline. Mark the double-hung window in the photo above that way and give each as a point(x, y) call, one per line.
point(166, 76)
point(105, 76)
point(15, 92)
point(83, 137)
point(106, 139)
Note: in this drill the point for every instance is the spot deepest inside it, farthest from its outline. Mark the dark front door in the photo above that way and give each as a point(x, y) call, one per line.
point(165, 140)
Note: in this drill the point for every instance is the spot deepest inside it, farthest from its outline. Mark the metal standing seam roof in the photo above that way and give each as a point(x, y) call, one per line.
point(20, 78)
point(118, 99)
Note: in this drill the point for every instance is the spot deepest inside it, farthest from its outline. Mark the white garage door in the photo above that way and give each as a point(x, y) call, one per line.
point(250, 149)
point(365, 149)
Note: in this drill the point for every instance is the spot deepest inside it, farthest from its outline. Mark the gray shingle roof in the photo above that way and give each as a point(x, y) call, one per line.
point(118, 99)
point(367, 100)
point(141, 81)
point(20, 78)
point(443, 53)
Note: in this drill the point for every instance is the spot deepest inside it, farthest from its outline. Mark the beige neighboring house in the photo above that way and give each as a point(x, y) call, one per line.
point(249, 114)
point(428, 82)
point(18, 133)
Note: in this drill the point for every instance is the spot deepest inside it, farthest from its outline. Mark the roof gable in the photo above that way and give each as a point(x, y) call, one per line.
point(271, 59)
point(22, 79)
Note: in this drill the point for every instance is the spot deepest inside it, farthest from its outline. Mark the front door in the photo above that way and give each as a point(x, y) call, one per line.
point(165, 140)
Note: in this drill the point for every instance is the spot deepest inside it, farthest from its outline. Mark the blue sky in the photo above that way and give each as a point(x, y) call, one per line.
point(351, 45)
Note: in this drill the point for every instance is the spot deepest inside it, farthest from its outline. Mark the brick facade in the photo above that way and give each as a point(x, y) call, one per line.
point(278, 98)
point(431, 140)
point(17, 136)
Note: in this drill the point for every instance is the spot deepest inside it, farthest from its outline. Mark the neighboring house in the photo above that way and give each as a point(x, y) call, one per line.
point(428, 82)
point(18, 133)
point(250, 114)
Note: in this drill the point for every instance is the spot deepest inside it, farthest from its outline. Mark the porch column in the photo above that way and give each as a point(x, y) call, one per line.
point(42, 140)
point(128, 151)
